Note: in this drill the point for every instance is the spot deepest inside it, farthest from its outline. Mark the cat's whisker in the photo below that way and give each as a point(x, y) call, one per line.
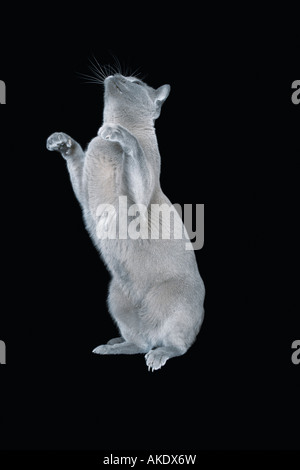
point(90, 78)
point(109, 70)
point(127, 72)
point(112, 69)
point(97, 63)
point(141, 75)
point(99, 71)
point(135, 72)
point(118, 66)
point(86, 75)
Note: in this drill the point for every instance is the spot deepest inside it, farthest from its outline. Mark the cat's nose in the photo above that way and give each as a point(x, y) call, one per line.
point(117, 76)
point(120, 77)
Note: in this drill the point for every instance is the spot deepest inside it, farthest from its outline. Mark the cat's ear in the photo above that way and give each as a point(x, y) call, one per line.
point(161, 94)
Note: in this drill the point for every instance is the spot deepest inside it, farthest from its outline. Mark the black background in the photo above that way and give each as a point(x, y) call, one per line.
point(229, 138)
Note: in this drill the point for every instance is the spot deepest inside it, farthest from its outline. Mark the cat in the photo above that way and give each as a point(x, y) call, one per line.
point(156, 294)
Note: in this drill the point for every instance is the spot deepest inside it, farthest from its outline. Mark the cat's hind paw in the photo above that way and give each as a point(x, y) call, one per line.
point(103, 349)
point(156, 359)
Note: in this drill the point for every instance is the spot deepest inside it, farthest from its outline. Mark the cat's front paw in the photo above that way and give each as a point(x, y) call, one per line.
point(112, 132)
point(59, 141)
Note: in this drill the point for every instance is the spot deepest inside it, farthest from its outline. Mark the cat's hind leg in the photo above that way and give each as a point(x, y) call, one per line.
point(126, 316)
point(119, 339)
point(119, 348)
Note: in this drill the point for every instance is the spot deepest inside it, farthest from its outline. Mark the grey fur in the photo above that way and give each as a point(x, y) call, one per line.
point(156, 293)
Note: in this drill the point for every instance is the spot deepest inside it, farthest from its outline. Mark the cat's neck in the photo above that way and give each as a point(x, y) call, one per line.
point(135, 127)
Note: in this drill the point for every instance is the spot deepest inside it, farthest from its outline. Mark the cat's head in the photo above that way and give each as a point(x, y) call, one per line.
point(131, 101)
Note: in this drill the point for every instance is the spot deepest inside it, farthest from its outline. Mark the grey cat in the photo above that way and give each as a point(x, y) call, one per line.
point(156, 293)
